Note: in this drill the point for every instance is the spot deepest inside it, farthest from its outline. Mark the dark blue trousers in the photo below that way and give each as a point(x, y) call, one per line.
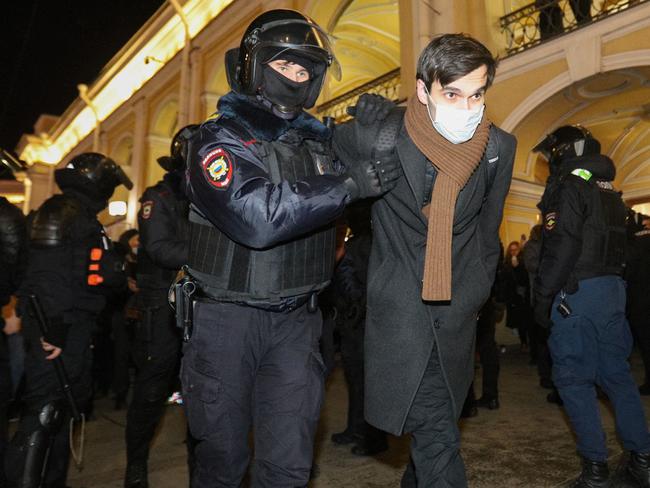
point(246, 368)
point(591, 347)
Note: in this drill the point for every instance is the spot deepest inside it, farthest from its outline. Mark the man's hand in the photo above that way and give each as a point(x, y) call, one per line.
point(12, 324)
point(132, 284)
point(542, 311)
point(371, 108)
point(54, 351)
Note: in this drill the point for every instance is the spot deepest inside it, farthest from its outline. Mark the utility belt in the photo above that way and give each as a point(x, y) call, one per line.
point(187, 290)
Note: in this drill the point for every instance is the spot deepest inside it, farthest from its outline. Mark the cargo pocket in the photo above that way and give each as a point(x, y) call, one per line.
point(566, 347)
point(201, 401)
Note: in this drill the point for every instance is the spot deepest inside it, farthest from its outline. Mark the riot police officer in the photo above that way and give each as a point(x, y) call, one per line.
point(579, 286)
point(164, 245)
point(70, 267)
point(265, 190)
point(12, 247)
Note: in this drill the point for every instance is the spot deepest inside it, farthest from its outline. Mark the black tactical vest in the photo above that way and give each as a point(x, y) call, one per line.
point(228, 271)
point(604, 236)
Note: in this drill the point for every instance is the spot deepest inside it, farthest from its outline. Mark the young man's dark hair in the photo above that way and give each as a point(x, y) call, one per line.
point(451, 56)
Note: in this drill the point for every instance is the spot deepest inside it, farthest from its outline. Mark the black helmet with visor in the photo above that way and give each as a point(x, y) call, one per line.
point(568, 141)
point(273, 35)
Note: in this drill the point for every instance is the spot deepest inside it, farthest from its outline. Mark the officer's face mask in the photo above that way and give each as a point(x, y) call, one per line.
point(454, 124)
point(290, 96)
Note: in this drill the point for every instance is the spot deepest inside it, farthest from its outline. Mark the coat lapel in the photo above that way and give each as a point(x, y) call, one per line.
point(414, 165)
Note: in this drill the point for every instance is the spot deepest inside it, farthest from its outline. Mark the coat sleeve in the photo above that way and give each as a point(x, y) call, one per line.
point(232, 188)
point(158, 235)
point(492, 210)
point(561, 237)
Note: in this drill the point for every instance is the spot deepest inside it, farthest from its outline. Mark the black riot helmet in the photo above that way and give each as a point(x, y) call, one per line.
point(178, 149)
point(568, 141)
point(277, 34)
point(94, 174)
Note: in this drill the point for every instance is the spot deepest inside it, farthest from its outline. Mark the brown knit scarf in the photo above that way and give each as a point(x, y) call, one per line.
point(455, 164)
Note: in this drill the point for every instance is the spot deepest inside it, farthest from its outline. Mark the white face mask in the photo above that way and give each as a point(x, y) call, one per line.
point(454, 124)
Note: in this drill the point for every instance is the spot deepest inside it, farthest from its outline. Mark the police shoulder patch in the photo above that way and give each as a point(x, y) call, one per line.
point(217, 168)
point(550, 220)
point(147, 208)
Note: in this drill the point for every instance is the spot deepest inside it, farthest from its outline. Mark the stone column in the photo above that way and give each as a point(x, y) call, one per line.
point(419, 21)
point(138, 160)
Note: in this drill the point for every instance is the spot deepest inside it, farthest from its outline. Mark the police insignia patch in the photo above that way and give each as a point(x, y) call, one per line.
point(549, 221)
point(217, 168)
point(147, 208)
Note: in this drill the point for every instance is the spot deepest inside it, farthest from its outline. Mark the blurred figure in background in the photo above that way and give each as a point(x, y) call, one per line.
point(517, 294)
point(637, 275)
point(530, 256)
point(164, 247)
point(12, 249)
point(120, 327)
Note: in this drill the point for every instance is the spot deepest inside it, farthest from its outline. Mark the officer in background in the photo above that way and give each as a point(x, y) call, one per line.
point(579, 286)
point(70, 267)
point(164, 246)
point(265, 191)
point(12, 248)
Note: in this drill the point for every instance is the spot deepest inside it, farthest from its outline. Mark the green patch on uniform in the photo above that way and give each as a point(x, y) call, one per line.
point(582, 173)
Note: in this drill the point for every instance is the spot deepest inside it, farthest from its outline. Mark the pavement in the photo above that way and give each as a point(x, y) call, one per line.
point(525, 443)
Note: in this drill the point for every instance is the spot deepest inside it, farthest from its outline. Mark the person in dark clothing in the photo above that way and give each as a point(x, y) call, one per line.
point(486, 345)
point(351, 279)
point(550, 18)
point(12, 250)
point(164, 247)
point(637, 275)
point(581, 10)
point(487, 349)
point(265, 191)
point(515, 281)
point(530, 255)
point(70, 266)
point(434, 252)
point(580, 293)
point(127, 245)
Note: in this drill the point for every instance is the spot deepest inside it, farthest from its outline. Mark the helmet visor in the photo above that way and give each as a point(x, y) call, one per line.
point(302, 38)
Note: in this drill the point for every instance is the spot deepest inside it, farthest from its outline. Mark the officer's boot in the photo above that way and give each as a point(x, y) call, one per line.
point(136, 476)
point(594, 474)
point(638, 468)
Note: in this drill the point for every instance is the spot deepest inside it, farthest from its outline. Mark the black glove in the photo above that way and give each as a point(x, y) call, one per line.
point(372, 178)
point(371, 108)
point(542, 311)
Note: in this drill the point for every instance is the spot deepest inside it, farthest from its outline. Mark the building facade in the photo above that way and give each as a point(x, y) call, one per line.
point(590, 67)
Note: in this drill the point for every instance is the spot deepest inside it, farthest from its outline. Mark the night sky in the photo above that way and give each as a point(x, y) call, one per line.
point(47, 47)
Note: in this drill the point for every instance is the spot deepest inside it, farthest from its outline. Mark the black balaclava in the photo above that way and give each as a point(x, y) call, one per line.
point(287, 97)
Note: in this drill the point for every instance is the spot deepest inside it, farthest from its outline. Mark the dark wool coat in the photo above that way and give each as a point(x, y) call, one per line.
point(401, 329)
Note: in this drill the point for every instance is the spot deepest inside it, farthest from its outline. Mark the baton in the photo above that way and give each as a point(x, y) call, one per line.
point(61, 374)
